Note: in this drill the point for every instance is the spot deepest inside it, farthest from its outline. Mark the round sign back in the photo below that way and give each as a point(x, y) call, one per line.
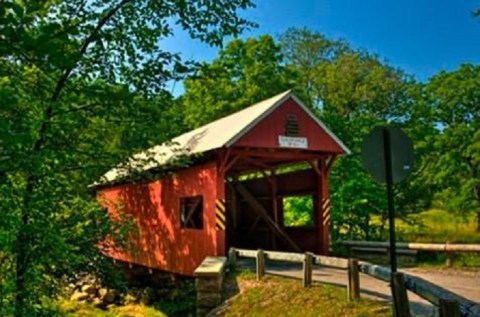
point(374, 153)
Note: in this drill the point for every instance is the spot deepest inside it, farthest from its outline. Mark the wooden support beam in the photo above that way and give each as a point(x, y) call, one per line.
point(329, 162)
point(274, 204)
point(323, 208)
point(315, 167)
point(292, 155)
point(263, 213)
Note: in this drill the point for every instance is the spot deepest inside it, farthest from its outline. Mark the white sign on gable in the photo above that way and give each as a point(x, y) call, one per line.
point(293, 142)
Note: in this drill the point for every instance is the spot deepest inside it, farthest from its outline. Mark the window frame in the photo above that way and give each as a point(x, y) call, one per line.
point(193, 203)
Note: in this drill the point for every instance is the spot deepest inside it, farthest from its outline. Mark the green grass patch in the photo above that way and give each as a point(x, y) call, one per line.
point(439, 226)
point(276, 296)
point(70, 308)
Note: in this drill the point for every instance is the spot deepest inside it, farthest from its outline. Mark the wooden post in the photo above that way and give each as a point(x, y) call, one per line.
point(449, 256)
point(260, 264)
point(449, 259)
point(449, 308)
point(232, 259)
point(353, 280)
point(400, 298)
point(307, 269)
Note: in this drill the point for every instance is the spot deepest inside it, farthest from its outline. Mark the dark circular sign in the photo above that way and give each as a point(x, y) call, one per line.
point(384, 142)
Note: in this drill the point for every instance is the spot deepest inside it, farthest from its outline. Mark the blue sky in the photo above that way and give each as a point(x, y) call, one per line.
point(421, 37)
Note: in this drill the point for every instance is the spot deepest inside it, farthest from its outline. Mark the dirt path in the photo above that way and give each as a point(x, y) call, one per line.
point(466, 284)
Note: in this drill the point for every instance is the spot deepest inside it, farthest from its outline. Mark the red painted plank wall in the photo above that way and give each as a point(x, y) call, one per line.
point(265, 134)
point(155, 208)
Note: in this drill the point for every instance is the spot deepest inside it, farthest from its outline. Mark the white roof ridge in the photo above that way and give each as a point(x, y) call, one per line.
point(199, 140)
point(222, 132)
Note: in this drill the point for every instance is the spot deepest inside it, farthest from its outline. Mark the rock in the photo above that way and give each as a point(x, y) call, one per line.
point(79, 296)
point(102, 292)
point(130, 298)
point(89, 289)
point(110, 296)
point(97, 302)
point(147, 296)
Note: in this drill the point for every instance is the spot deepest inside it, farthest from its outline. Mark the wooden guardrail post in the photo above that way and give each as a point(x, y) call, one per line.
point(449, 256)
point(449, 308)
point(353, 280)
point(400, 298)
point(307, 269)
point(232, 259)
point(260, 264)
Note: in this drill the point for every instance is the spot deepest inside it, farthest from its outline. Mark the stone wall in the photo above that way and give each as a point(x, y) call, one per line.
point(208, 282)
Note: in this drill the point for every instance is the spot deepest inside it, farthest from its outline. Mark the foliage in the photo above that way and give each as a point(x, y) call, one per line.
point(455, 163)
point(298, 211)
point(304, 52)
point(245, 72)
point(82, 84)
point(72, 308)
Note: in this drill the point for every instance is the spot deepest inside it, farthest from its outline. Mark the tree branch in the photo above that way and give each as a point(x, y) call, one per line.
point(101, 23)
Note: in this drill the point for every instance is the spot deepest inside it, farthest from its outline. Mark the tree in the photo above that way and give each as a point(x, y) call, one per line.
point(352, 91)
point(246, 71)
point(455, 159)
point(305, 52)
point(74, 72)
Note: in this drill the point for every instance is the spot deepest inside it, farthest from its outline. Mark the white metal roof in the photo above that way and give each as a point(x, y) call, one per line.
point(220, 133)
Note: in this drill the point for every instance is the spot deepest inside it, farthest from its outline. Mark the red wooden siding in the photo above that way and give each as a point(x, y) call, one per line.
point(265, 134)
point(155, 208)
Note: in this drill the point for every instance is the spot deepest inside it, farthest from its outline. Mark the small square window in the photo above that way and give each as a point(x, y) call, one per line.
point(191, 212)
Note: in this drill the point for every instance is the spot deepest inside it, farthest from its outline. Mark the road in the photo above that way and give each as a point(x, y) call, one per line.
point(463, 283)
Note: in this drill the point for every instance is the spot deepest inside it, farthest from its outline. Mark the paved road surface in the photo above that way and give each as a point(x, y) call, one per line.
point(466, 284)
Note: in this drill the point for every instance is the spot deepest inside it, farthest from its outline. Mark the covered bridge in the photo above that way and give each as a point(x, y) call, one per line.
point(242, 172)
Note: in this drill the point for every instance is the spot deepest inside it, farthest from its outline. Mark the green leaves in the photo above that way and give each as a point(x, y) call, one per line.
point(455, 168)
point(244, 73)
point(82, 86)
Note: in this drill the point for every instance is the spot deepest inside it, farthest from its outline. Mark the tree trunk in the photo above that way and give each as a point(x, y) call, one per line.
point(478, 221)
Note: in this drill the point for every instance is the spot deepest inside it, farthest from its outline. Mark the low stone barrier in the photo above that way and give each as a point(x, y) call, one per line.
point(208, 283)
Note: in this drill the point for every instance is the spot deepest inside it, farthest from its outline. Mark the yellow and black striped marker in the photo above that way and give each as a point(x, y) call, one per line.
point(326, 207)
point(220, 217)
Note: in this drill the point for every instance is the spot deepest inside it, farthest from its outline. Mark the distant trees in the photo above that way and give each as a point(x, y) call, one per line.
point(350, 90)
point(245, 71)
point(455, 157)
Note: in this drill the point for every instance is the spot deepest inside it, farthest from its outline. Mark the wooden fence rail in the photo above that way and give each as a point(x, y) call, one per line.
point(450, 304)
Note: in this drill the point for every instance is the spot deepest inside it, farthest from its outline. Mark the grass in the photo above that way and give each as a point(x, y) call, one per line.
point(439, 226)
point(276, 296)
point(68, 308)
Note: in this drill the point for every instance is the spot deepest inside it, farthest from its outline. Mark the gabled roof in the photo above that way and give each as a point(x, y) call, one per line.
point(220, 133)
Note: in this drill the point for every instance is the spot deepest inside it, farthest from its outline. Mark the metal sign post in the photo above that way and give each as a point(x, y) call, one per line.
point(391, 208)
point(387, 154)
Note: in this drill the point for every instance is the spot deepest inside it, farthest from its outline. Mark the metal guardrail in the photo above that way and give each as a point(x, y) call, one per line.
point(450, 304)
point(448, 248)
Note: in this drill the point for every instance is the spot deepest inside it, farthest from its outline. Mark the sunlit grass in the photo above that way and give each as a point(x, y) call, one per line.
point(276, 296)
point(439, 226)
point(70, 308)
